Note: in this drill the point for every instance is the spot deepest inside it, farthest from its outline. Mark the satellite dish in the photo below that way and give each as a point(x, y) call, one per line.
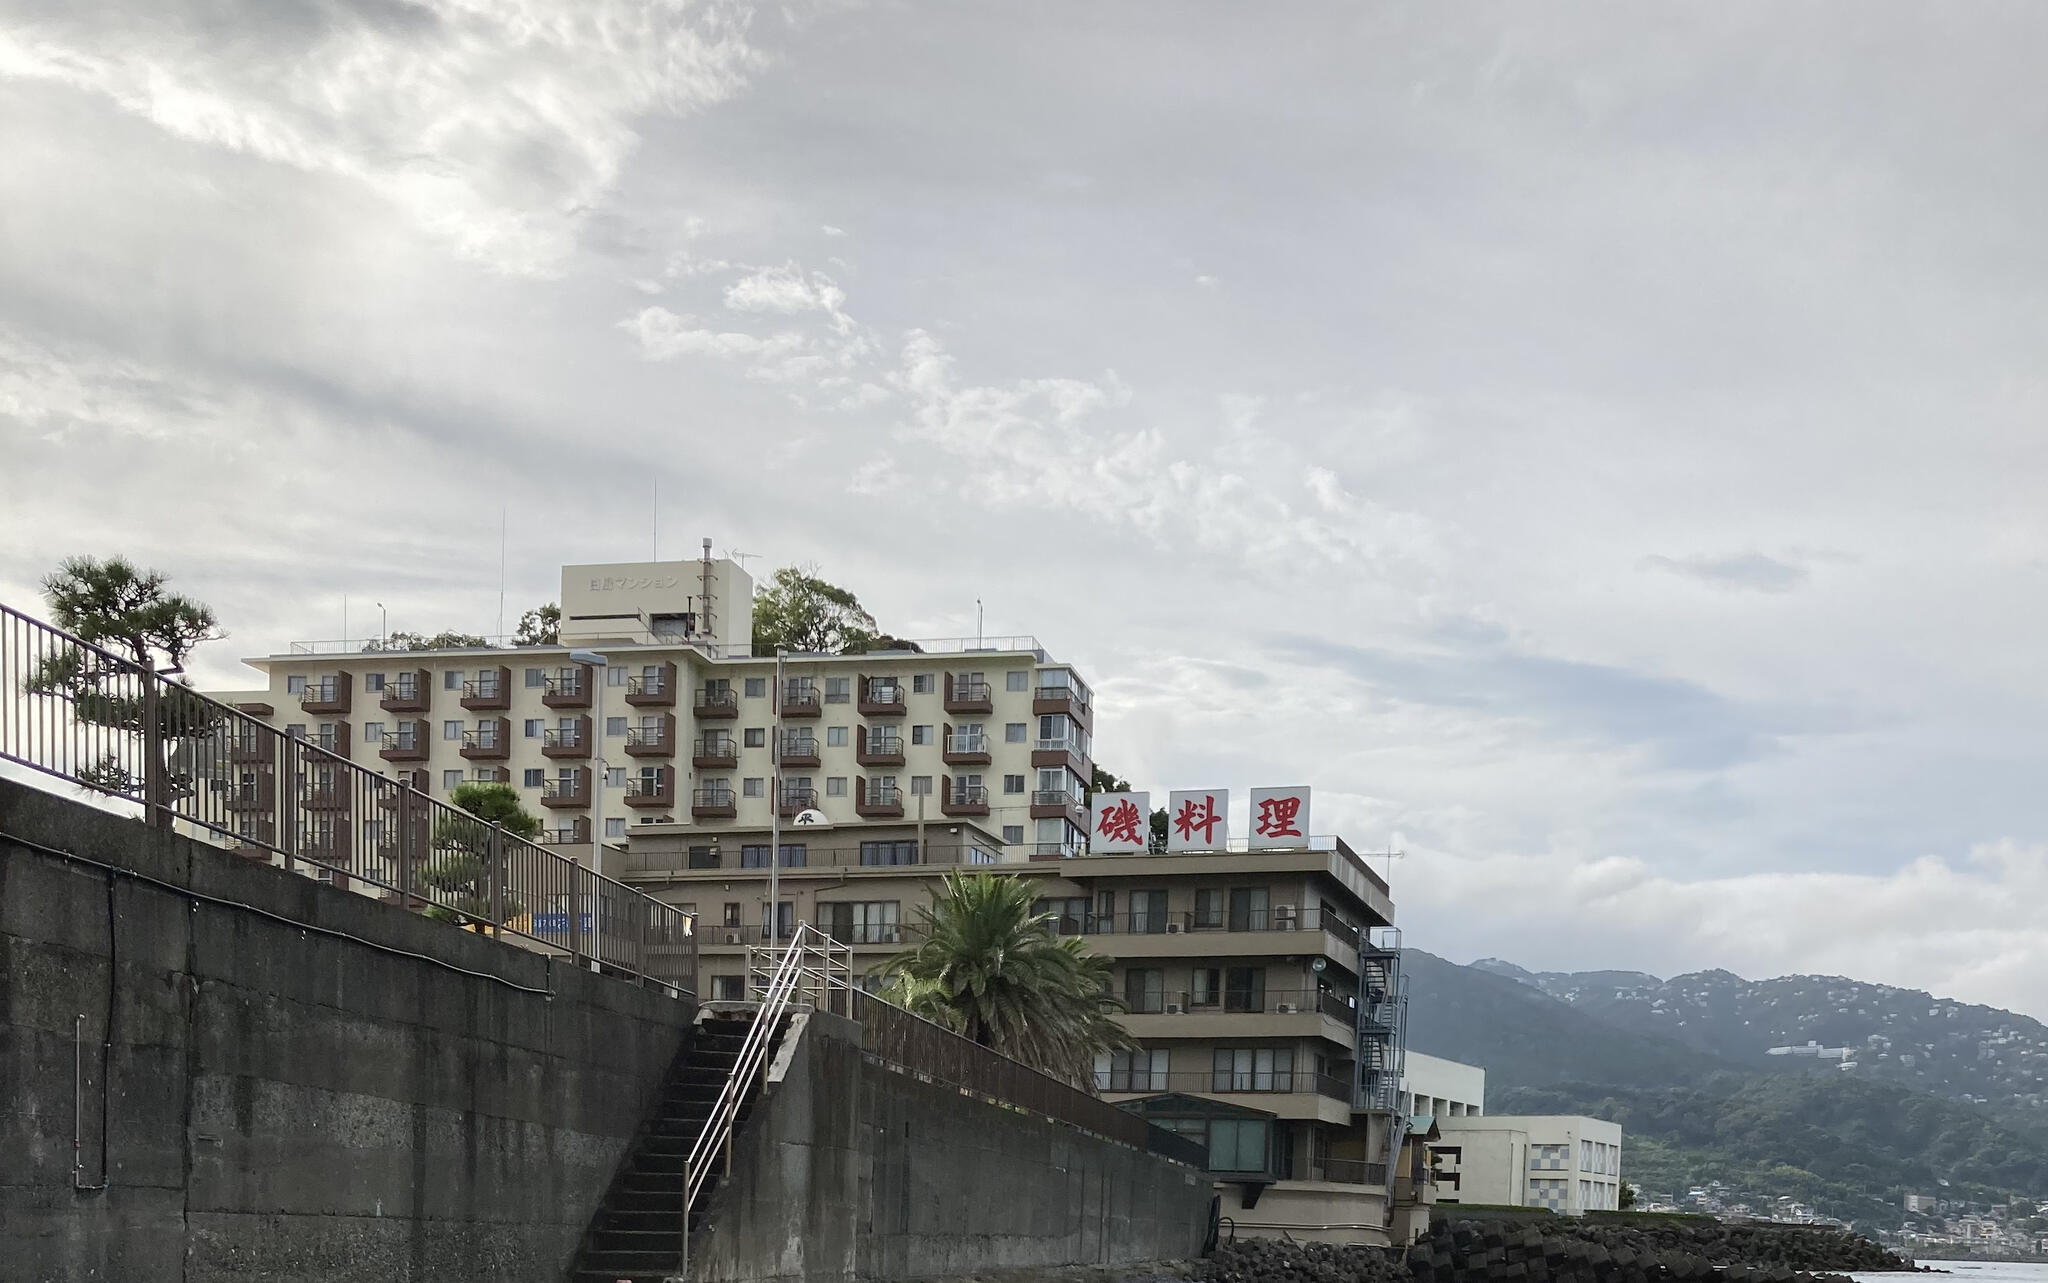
point(811, 817)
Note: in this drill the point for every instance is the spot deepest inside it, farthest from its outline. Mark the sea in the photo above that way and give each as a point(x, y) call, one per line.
point(1975, 1272)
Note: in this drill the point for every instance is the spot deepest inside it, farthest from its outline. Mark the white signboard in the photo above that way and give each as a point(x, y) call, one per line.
point(1119, 822)
point(1279, 818)
point(1198, 820)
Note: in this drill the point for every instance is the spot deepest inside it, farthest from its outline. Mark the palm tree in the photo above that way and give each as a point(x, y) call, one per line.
point(988, 965)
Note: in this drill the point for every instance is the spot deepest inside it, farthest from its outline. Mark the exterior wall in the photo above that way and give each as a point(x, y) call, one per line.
point(1442, 1088)
point(298, 1082)
point(1568, 1163)
point(848, 1170)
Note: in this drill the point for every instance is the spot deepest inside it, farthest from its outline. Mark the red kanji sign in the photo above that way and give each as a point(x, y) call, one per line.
point(1122, 822)
point(1279, 817)
point(1196, 822)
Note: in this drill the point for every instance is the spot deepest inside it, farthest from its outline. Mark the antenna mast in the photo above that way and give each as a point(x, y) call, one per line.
point(707, 599)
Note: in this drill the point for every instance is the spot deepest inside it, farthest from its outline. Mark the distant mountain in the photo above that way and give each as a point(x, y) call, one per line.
point(1685, 1066)
point(1877, 1032)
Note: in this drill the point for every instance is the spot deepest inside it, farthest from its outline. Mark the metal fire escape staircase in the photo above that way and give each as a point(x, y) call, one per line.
point(1382, 1039)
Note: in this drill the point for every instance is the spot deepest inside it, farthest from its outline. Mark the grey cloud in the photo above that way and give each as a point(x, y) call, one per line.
point(1751, 571)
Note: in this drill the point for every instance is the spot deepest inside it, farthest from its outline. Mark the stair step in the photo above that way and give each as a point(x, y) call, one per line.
point(630, 1262)
point(648, 1242)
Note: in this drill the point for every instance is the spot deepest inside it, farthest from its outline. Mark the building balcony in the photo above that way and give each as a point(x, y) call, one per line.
point(653, 690)
point(714, 804)
point(799, 701)
point(331, 694)
point(259, 794)
point(970, 799)
point(720, 703)
point(241, 743)
point(881, 698)
point(331, 794)
point(968, 695)
point(406, 782)
point(1061, 752)
point(1054, 804)
point(873, 749)
point(490, 691)
point(966, 750)
point(409, 692)
point(1053, 700)
point(715, 752)
point(489, 742)
point(570, 742)
point(881, 802)
point(575, 833)
point(654, 788)
point(571, 688)
point(799, 750)
point(566, 791)
point(334, 739)
point(652, 739)
point(797, 801)
point(408, 743)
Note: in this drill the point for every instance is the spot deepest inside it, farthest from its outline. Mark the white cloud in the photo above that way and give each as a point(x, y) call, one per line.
point(497, 126)
point(787, 290)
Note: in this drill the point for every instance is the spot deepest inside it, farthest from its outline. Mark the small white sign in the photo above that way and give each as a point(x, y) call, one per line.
point(1198, 820)
point(811, 818)
point(1279, 818)
point(1119, 822)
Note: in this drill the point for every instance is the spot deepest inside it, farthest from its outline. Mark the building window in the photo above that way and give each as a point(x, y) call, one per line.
point(1207, 987)
point(373, 733)
point(754, 855)
point(295, 685)
point(838, 690)
point(615, 675)
point(1145, 990)
point(1013, 784)
point(1131, 1070)
point(1013, 833)
point(835, 786)
point(1237, 1144)
point(373, 681)
point(1253, 1069)
point(533, 778)
point(532, 728)
point(451, 680)
point(1208, 909)
point(751, 786)
point(920, 785)
point(451, 730)
point(615, 826)
point(1017, 680)
point(615, 777)
point(1016, 732)
point(903, 851)
point(920, 734)
point(728, 988)
point(614, 727)
point(757, 687)
point(923, 683)
point(862, 921)
point(451, 779)
point(536, 678)
point(754, 737)
point(835, 737)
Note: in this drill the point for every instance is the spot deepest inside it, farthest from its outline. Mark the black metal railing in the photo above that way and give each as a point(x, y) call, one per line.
point(884, 795)
point(562, 737)
point(1161, 922)
point(150, 746)
point(712, 797)
point(969, 795)
point(908, 1044)
point(717, 699)
point(1259, 1082)
point(646, 684)
point(1053, 797)
point(646, 736)
point(970, 691)
point(1348, 1171)
point(1249, 999)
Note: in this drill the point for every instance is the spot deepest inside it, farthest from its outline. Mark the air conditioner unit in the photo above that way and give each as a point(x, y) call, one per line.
point(1173, 928)
point(1283, 917)
point(1285, 1008)
point(1173, 1009)
point(732, 937)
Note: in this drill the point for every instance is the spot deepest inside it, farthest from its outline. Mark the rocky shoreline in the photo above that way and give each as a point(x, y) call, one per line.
point(1564, 1251)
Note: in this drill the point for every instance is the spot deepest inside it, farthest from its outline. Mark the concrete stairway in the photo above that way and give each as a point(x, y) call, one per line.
point(637, 1233)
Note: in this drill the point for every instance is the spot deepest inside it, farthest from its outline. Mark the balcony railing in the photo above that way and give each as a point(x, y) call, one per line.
point(800, 701)
point(1241, 1000)
point(718, 703)
point(970, 795)
point(799, 750)
point(481, 740)
point(1232, 1082)
point(1272, 918)
point(795, 800)
point(882, 699)
point(715, 751)
point(1348, 1171)
point(967, 744)
point(1054, 797)
point(884, 795)
point(642, 740)
point(562, 737)
point(713, 803)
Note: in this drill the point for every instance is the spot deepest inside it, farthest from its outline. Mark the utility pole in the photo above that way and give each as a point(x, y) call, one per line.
point(775, 821)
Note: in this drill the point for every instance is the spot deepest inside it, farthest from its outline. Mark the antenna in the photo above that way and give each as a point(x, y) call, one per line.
point(741, 557)
point(977, 623)
point(706, 625)
point(1390, 855)
point(654, 518)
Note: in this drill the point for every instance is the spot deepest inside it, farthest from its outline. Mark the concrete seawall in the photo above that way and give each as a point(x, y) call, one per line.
point(849, 1169)
point(302, 1084)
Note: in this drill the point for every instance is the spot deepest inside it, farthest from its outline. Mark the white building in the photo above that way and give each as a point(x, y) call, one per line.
point(1436, 1088)
point(1564, 1162)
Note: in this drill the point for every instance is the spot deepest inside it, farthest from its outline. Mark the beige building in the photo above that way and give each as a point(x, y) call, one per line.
point(652, 712)
point(1566, 1163)
point(1433, 1087)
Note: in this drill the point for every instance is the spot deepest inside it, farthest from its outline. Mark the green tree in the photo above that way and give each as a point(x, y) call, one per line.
point(801, 613)
point(130, 613)
point(439, 641)
point(541, 626)
point(460, 874)
point(1626, 1200)
point(988, 965)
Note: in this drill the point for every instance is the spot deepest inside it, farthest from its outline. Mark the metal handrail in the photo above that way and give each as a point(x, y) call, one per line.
point(807, 954)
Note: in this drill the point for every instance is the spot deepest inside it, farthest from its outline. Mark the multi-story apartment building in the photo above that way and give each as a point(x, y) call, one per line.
point(652, 711)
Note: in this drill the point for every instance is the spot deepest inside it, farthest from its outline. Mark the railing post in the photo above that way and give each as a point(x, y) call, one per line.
point(646, 922)
point(407, 857)
point(285, 783)
point(157, 815)
point(497, 874)
point(576, 942)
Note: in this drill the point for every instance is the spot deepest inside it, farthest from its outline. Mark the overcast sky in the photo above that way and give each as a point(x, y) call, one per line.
point(1601, 449)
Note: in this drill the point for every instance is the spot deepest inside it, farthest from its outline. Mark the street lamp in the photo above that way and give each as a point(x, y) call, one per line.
point(597, 664)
